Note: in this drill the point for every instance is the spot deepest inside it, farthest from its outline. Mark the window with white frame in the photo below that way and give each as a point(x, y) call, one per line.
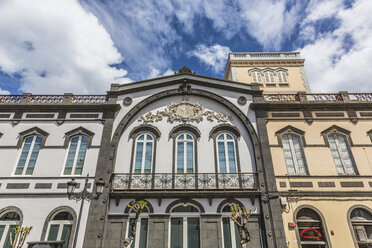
point(294, 154)
point(185, 227)
point(231, 237)
point(60, 227)
point(141, 238)
point(8, 221)
point(27, 159)
point(77, 149)
point(341, 153)
point(144, 152)
point(361, 221)
point(185, 153)
point(282, 77)
point(226, 153)
point(269, 77)
point(256, 77)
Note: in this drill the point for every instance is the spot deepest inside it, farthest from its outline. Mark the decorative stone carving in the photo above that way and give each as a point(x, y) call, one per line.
point(184, 70)
point(185, 112)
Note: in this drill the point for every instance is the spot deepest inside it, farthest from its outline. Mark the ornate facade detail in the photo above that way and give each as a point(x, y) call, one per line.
point(201, 181)
point(184, 112)
point(184, 70)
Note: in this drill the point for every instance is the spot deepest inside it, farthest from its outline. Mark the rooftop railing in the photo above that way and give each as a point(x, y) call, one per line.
point(52, 99)
point(342, 96)
point(279, 55)
point(185, 181)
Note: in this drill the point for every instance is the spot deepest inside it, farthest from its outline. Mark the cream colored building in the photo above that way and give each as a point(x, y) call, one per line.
point(320, 147)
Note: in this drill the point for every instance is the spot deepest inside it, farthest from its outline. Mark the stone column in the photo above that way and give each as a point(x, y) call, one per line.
point(210, 231)
point(158, 231)
point(116, 228)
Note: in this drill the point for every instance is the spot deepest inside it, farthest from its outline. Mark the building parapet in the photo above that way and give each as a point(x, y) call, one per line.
point(67, 98)
point(342, 96)
point(265, 56)
point(184, 181)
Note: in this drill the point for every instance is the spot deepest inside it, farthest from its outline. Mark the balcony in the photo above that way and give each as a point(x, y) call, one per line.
point(185, 182)
point(341, 97)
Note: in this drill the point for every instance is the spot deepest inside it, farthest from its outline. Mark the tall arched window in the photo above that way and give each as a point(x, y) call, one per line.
point(30, 151)
point(8, 221)
point(341, 153)
point(282, 77)
point(144, 152)
point(141, 238)
point(256, 77)
point(185, 226)
point(269, 77)
point(77, 149)
point(294, 154)
point(231, 237)
point(226, 153)
point(60, 227)
point(310, 228)
point(361, 221)
point(185, 153)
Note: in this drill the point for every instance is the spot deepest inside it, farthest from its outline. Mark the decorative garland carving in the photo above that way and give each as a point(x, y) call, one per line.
point(184, 112)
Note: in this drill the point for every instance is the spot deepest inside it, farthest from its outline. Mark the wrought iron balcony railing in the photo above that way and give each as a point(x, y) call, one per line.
point(186, 181)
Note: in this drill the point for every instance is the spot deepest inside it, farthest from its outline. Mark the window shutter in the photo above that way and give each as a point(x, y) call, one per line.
point(280, 79)
point(361, 233)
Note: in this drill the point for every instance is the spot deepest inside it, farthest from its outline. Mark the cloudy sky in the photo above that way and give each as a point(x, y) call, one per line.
point(82, 46)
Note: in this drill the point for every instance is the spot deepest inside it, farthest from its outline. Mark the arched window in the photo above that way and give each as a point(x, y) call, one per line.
point(361, 221)
point(256, 77)
point(282, 77)
point(341, 153)
point(27, 159)
point(226, 153)
point(231, 237)
point(185, 226)
point(141, 238)
point(8, 221)
point(294, 154)
point(310, 228)
point(144, 152)
point(60, 227)
point(269, 77)
point(77, 149)
point(185, 153)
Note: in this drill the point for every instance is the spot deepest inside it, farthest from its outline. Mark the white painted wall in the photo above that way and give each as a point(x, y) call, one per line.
point(205, 146)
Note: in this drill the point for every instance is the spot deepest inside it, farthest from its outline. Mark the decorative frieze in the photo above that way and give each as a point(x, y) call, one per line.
point(185, 112)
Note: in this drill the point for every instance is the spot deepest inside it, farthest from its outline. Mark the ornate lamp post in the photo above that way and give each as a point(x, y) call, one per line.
point(83, 195)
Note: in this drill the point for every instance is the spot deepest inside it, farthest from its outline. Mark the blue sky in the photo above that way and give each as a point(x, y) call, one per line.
point(53, 46)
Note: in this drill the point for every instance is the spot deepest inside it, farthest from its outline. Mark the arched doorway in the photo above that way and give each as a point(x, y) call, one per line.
point(311, 229)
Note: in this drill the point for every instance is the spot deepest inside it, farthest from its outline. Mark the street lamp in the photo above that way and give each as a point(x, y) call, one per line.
point(83, 195)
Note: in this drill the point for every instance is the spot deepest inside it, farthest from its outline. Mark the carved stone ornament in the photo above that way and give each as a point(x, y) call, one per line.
point(184, 70)
point(184, 112)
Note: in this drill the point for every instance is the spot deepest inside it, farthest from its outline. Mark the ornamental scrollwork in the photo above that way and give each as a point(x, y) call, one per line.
point(184, 112)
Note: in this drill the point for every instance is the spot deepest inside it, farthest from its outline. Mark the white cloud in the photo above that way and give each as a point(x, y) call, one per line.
point(56, 46)
point(156, 73)
point(4, 92)
point(214, 56)
point(340, 60)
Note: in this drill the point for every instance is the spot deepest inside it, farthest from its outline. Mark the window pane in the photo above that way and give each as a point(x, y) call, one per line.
point(222, 157)
point(149, 137)
point(81, 156)
point(221, 137)
point(7, 241)
point(188, 136)
point(190, 157)
point(148, 157)
point(231, 152)
point(226, 233)
point(130, 231)
point(66, 232)
point(237, 236)
point(143, 233)
point(142, 137)
point(138, 162)
point(53, 232)
point(71, 156)
point(180, 157)
point(176, 233)
point(193, 233)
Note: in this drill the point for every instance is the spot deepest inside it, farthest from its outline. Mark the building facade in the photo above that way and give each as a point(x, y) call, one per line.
point(190, 146)
point(320, 146)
